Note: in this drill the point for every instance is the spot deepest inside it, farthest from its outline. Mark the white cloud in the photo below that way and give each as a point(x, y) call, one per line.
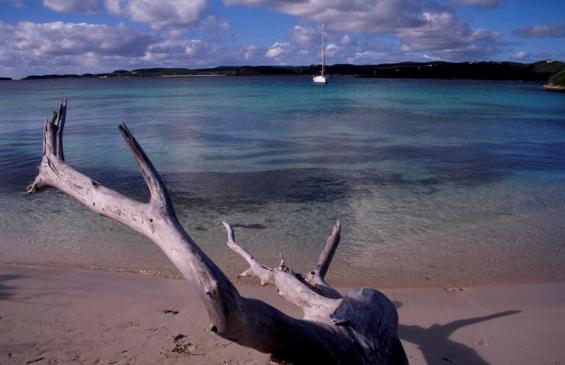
point(278, 50)
point(374, 16)
point(525, 56)
point(371, 53)
point(345, 40)
point(251, 52)
point(196, 53)
point(72, 6)
point(68, 47)
point(520, 55)
point(423, 27)
point(359, 31)
point(555, 30)
point(159, 14)
point(304, 36)
point(333, 50)
point(445, 36)
point(211, 24)
point(176, 49)
point(45, 48)
point(61, 39)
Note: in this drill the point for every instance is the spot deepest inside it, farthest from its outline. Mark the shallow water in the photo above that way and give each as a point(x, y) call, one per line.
point(437, 182)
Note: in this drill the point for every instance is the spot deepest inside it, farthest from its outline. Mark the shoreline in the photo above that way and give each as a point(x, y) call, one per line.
point(96, 269)
point(555, 88)
point(203, 75)
point(251, 282)
point(53, 315)
point(509, 252)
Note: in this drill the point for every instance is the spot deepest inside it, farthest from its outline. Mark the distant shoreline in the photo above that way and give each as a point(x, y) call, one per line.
point(173, 76)
point(537, 71)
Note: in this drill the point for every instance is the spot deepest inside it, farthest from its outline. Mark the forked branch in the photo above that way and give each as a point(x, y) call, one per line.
point(316, 277)
point(316, 307)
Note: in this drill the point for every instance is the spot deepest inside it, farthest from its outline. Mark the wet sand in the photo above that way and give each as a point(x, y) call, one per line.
point(62, 316)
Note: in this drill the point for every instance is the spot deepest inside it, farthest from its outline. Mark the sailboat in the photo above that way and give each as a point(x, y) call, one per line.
point(322, 78)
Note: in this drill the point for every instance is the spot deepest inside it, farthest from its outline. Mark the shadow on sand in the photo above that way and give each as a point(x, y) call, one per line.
point(7, 291)
point(438, 348)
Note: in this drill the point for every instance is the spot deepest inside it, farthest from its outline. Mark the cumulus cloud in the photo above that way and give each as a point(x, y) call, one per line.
point(251, 52)
point(72, 6)
point(423, 27)
point(445, 36)
point(345, 40)
point(197, 53)
point(375, 16)
point(194, 51)
point(359, 31)
point(58, 47)
point(304, 36)
point(159, 14)
point(211, 24)
point(68, 47)
point(340, 48)
point(62, 39)
point(368, 53)
point(487, 4)
point(333, 50)
point(520, 55)
point(555, 30)
point(278, 50)
point(215, 29)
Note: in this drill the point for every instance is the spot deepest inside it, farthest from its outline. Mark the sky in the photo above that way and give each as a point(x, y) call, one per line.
point(79, 36)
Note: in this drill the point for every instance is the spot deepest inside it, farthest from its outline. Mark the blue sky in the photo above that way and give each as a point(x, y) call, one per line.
point(78, 36)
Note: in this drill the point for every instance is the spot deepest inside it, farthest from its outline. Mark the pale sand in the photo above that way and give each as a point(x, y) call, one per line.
point(59, 316)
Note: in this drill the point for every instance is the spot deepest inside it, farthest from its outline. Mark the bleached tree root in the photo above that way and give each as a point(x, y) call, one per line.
point(358, 328)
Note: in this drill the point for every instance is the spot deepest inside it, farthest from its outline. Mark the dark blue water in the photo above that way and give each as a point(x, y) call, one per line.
point(436, 182)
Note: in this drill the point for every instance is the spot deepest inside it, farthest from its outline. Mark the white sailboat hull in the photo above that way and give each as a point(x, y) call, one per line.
point(320, 79)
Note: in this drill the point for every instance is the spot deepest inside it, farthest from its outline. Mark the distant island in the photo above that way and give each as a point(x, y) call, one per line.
point(556, 82)
point(5, 78)
point(537, 71)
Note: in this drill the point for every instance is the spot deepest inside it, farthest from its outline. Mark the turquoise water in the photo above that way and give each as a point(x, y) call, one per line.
point(437, 182)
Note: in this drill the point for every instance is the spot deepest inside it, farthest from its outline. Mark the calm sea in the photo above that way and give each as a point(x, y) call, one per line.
point(436, 182)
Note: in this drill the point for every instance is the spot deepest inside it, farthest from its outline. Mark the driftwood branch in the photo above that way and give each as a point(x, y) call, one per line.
point(316, 278)
point(359, 328)
point(157, 189)
point(316, 307)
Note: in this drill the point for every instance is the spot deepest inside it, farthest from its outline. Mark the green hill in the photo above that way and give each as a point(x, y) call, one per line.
point(556, 82)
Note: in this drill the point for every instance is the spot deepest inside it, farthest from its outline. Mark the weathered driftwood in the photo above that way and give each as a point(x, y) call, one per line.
point(358, 328)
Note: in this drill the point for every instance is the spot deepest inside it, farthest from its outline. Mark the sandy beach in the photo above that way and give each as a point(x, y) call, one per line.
point(419, 142)
point(64, 316)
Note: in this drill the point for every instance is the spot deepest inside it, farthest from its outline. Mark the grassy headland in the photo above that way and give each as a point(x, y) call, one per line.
point(556, 82)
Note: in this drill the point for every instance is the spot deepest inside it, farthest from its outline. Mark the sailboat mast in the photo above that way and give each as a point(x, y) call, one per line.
point(321, 78)
point(323, 49)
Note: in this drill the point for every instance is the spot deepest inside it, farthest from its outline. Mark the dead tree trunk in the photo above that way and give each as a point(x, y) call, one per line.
point(359, 328)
